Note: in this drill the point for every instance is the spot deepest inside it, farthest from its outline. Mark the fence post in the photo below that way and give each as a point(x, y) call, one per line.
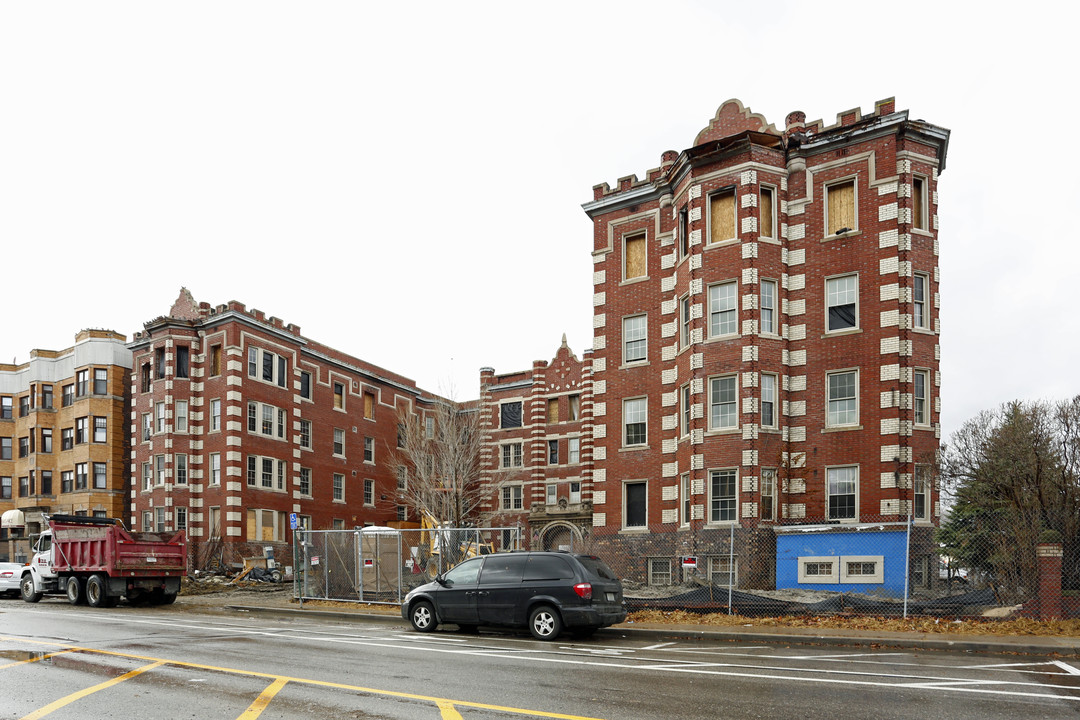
point(1049, 554)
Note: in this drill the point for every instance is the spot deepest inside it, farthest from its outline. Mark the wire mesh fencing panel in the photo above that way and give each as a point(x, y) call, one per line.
point(381, 565)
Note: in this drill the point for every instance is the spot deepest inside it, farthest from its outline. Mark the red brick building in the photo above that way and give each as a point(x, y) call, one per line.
point(239, 421)
point(766, 344)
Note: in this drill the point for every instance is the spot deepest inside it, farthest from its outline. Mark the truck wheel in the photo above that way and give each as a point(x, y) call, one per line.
point(75, 594)
point(26, 587)
point(167, 599)
point(97, 592)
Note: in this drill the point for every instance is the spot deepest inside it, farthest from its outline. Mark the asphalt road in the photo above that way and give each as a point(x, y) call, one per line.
point(60, 661)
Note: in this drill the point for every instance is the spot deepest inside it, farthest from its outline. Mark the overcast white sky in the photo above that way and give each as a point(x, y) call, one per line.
point(404, 180)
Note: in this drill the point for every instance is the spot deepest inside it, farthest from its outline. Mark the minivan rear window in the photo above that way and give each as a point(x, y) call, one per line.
point(597, 567)
point(548, 567)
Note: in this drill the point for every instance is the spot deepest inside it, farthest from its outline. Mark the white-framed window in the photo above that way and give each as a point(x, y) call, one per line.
point(684, 321)
point(147, 476)
point(635, 504)
point(768, 307)
point(511, 455)
point(159, 519)
point(921, 492)
point(100, 471)
point(659, 571)
point(159, 417)
point(551, 494)
point(266, 473)
point(918, 203)
point(684, 499)
point(767, 212)
point(369, 492)
point(267, 366)
point(920, 397)
point(842, 487)
point(159, 470)
point(684, 410)
point(181, 468)
point(824, 570)
point(722, 222)
point(842, 390)
point(573, 451)
point(723, 309)
point(147, 426)
point(339, 442)
point(635, 339)
point(920, 308)
point(723, 402)
point(511, 497)
point(180, 422)
point(101, 432)
point(402, 478)
point(575, 492)
point(723, 496)
point(635, 421)
point(429, 427)
point(841, 207)
point(305, 481)
point(768, 494)
point(635, 264)
point(768, 400)
point(305, 434)
point(266, 420)
point(369, 449)
point(215, 415)
point(181, 518)
point(339, 487)
point(214, 523)
point(339, 396)
point(215, 468)
point(722, 570)
point(842, 303)
point(857, 569)
point(510, 414)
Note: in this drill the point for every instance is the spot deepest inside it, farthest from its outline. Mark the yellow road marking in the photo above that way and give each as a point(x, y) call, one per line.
point(90, 690)
point(449, 712)
point(308, 681)
point(39, 658)
point(255, 709)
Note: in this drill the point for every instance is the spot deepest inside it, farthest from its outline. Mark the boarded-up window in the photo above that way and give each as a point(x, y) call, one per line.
point(339, 396)
point(369, 406)
point(553, 410)
point(841, 207)
point(767, 212)
point(722, 216)
point(918, 206)
point(510, 415)
point(635, 256)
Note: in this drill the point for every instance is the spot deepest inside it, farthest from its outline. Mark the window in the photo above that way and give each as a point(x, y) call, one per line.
point(920, 310)
point(819, 569)
point(722, 571)
point(215, 468)
point(339, 396)
point(148, 521)
point(26, 486)
point(148, 426)
point(768, 400)
point(305, 434)
point(768, 494)
point(147, 475)
point(182, 358)
point(635, 265)
point(553, 410)
point(768, 307)
point(101, 476)
point(575, 492)
point(659, 571)
point(573, 450)
point(841, 487)
point(684, 410)
point(180, 462)
point(684, 321)
point(266, 366)
point(635, 344)
point(369, 492)
point(510, 414)
point(722, 496)
point(215, 415)
point(722, 216)
point(551, 494)
point(305, 384)
point(5, 408)
point(266, 420)
point(81, 476)
point(841, 215)
point(574, 403)
point(402, 478)
point(723, 310)
point(67, 481)
point(635, 426)
point(684, 499)
point(339, 487)
point(5, 448)
point(68, 395)
point(47, 397)
point(369, 406)
point(862, 569)
point(918, 203)
point(684, 232)
point(145, 378)
point(635, 504)
point(843, 391)
point(553, 452)
point(81, 427)
point(181, 518)
point(767, 212)
point(265, 526)
point(511, 497)
point(46, 440)
point(511, 455)
point(101, 381)
point(159, 417)
point(841, 300)
point(920, 509)
point(339, 442)
point(24, 447)
point(369, 449)
point(214, 524)
point(401, 435)
point(920, 406)
point(24, 405)
point(81, 380)
point(215, 360)
point(180, 421)
point(429, 427)
point(5, 488)
point(159, 470)
point(305, 481)
point(46, 482)
point(159, 363)
point(723, 403)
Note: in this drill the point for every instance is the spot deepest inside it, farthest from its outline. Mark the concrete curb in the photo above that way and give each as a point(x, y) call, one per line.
point(1033, 645)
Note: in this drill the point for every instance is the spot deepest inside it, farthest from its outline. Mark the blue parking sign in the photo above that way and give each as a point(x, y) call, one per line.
point(293, 521)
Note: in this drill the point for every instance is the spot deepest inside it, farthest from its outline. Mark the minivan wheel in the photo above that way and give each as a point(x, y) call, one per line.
point(544, 623)
point(422, 617)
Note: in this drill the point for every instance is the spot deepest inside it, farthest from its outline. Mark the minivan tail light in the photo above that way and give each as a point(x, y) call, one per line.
point(584, 590)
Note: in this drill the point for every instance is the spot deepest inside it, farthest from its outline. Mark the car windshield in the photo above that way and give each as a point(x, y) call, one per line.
point(597, 567)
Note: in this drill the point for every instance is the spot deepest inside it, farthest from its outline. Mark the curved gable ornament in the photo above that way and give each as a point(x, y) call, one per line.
point(732, 118)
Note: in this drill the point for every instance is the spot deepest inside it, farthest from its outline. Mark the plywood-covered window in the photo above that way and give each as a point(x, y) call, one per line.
point(918, 203)
point(841, 207)
point(722, 216)
point(369, 406)
point(265, 526)
point(766, 208)
point(635, 256)
point(553, 410)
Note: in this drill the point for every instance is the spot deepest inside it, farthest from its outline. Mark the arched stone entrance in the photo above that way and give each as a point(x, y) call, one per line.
point(562, 536)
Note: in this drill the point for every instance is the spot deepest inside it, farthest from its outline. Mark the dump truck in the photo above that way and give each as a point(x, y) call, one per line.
point(96, 560)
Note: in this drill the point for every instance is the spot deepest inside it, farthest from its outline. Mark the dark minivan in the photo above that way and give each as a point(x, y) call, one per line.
point(543, 591)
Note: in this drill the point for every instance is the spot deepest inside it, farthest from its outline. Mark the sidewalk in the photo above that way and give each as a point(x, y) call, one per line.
point(660, 632)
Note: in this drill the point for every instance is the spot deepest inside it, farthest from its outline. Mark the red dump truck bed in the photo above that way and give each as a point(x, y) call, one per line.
point(111, 549)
